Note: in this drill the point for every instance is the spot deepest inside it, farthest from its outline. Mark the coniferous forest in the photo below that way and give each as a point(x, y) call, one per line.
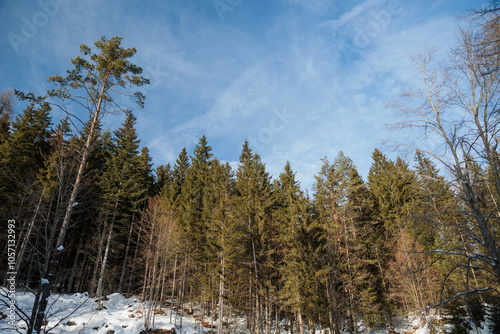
point(419, 235)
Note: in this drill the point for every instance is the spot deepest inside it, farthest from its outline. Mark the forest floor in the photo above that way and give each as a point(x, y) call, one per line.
point(77, 313)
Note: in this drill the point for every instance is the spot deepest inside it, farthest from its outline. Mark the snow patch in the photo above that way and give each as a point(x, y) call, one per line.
point(76, 313)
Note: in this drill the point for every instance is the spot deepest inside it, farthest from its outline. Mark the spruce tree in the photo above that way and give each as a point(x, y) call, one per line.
point(432, 198)
point(22, 156)
point(163, 178)
point(6, 110)
point(253, 200)
point(224, 247)
point(392, 190)
point(179, 175)
point(193, 185)
point(357, 225)
point(344, 213)
point(46, 210)
point(380, 242)
point(327, 217)
point(144, 172)
point(29, 139)
point(126, 183)
point(296, 263)
point(193, 192)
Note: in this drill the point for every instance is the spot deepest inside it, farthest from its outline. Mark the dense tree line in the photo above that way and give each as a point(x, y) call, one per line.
point(240, 242)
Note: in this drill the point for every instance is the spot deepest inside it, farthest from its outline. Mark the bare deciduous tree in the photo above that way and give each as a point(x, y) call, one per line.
point(161, 248)
point(455, 118)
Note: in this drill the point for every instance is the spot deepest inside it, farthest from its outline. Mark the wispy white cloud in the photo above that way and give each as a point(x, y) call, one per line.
point(316, 6)
point(349, 16)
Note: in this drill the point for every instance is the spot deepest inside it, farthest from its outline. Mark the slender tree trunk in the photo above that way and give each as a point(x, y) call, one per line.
point(151, 294)
point(82, 280)
point(250, 316)
point(106, 253)
point(267, 311)
point(312, 327)
point(257, 299)
point(221, 297)
point(102, 236)
point(129, 288)
point(124, 267)
point(181, 307)
point(163, 276)
point(51, 274)
point(148, 264)
point(28, 277)
point(330, 303)
point(278, 318)
point(212, 307)
point(103, 269)
point(350, 290)
point(157, 289)
point(173, 289)
point(27, 235)
point(146, 291)
point(76, 264)
point(300, 322)
point(40, 302)
point(31, 325)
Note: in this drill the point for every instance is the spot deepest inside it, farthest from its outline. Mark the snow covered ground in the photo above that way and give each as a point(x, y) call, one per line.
point(77, 313)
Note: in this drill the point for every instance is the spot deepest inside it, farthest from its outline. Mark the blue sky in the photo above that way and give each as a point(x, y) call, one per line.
point(300, 79)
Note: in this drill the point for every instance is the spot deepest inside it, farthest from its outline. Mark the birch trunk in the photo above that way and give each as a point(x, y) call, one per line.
point(129, 288)
point(181, 307)
point(173, 289)
point(103, 269)
point(300, 322)
point(221, 297)
point(258, 320)
point(97, 263)
point(124, 267)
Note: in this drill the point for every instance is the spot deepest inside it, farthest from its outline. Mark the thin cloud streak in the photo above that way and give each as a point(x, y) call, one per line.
point(348, 17)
